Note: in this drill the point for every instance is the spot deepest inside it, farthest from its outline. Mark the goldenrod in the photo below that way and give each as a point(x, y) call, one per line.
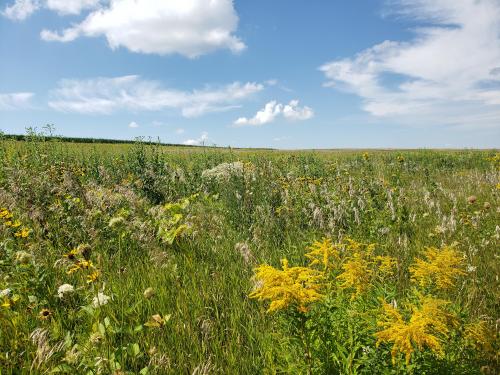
point(425, 328)
point(440, 267)
point(296, 286)
point(324, 253)
point(356, 274)
point(481, 337)
point(386, 264)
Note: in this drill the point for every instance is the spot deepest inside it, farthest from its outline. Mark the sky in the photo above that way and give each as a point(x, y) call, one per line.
point(255, 73)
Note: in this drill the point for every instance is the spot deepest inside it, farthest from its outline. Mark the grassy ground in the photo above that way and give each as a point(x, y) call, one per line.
point(141, 259)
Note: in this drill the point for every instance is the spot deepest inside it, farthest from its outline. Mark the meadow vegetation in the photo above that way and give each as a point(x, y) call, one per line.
point(146, 259)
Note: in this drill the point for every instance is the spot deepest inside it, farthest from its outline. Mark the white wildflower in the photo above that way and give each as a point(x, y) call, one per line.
point(471, 268)
point(100, 300)
point(5, 292)
point(224, 171)
point(64, 290)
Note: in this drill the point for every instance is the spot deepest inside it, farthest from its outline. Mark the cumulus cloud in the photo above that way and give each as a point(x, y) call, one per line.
point(133, 124)
point(132, 93)
point(13, 101)
point(21, 9)
point(189, 27)
point(446, 75)
point(273, 109)
point(196, 142)
point(64, 7)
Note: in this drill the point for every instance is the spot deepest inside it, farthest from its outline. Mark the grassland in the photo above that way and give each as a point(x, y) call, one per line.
point(127, 259)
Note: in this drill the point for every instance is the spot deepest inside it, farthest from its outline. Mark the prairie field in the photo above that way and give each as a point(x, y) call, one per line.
point(146, 259)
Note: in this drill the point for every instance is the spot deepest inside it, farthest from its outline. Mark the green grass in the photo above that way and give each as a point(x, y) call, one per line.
point(68, 193)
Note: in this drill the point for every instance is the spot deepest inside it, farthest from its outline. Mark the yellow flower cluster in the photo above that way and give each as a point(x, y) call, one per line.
point(9, 222)
point(358, 266)
point(427, 326)
point(357, 274)
point(323, 253)
point(482, 337)
point(291, 286)
point(441, 267)
point(79, 257)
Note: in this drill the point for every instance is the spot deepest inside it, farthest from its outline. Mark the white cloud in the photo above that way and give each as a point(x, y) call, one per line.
point(273, 109)
point(196, 142)
point(133, 124)
point(188, 27)
point(292, 111)
point(106, 95)
point(445, 73)
point(179, 131)
point(64, 7)
point(13, 101)
point(21, 9)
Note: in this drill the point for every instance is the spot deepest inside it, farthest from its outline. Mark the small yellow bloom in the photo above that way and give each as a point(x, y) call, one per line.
point(45, 314)
point(5, 214)
point(7, 303)
point(72, 254)
point(23, 233)
point(93, 277)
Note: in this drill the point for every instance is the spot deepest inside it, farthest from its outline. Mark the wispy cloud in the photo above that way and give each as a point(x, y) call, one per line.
point(17, 100)
point(132, 93)
point(448, 74)
point(21, 9)
point(291, 111)
point(190, 28)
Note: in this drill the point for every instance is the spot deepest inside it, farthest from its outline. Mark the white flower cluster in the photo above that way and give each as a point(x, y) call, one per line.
point(65, 289)
point(100, 300)
point(224, 171)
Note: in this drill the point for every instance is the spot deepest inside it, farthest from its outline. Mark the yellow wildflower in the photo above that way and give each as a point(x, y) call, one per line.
point(72, 254)
point(23, 233)
point(7, 303)
point(81, 264)
point(481, 337)
point(93, 277)
point(296, 286)
point(441, 266)
point(5, 214)
point(356, 274)
point(45, 314)
point(351, 246)
point(425, 329)
point(386, 264)
point(16, 224)
point(323, 253)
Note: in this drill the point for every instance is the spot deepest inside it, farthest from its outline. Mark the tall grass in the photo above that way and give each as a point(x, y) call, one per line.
point(147, 216)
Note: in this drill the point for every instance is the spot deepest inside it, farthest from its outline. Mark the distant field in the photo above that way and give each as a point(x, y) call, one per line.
point(154, 259)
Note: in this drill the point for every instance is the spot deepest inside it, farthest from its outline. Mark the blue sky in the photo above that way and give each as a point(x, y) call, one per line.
point(260, 73)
